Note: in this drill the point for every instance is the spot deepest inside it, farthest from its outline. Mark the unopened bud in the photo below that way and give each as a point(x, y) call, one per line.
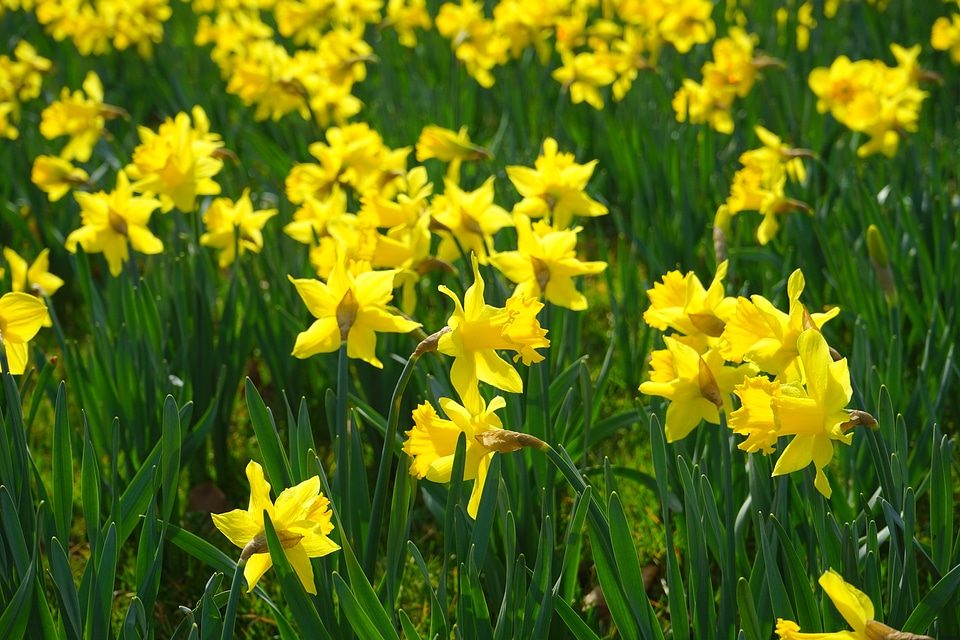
point(721, 229)
point(506, 441)
point(430, 343)
point(287, 539)
point(878, 631)
point(708, 385)
point(881, 263)
point(858, 419)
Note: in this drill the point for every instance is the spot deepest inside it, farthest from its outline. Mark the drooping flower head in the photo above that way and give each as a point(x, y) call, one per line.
point(56, 176)
point(301, 518)
point(79, 115)
point(478, 330)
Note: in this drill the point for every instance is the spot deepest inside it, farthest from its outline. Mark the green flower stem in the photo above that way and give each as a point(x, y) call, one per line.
point(383, 473)
point(728, 589)
point(340, 425)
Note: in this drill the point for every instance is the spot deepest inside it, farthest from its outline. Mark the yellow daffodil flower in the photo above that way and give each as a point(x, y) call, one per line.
point(680, 302)
point(35, 278)
point(348, 308)
point(407, 206)
point(301, 518)
point(696, 385)
point(56, 176)
point(766, 336)
point(469, 218)
point(685, 24)
point(21, 316)
point(582, 76)
point(545, 264)
point(478, 330)
point(945, 36)
point(112, 219)
point(702, 103)
point(432, 442)
point(813, 412)
point(234, 227)
point(555, 187)
point(448, 146)
point(310, 220)
point(856, 608)
point(476, 41)
point(79, 115)
point(178, 161)
point(403, 16)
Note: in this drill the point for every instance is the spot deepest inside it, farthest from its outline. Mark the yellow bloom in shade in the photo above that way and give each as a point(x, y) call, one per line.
point(349, 308)
point(301, 518)
point(813, 412)
point(555, 187)
point(234, 227)
point(21, 316)
point(178, 161)
point(56, 176)
point(478, 330)
point(680, 302)
point(112, 219)
point(545, 264)
point(856, 608)
point(677, 373)
point(469, 218)
point(766, 336)
point(945, 36)
point(432, 442)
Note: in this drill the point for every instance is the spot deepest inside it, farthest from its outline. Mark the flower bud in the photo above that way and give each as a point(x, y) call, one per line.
point(881, 263)
point(506, 441)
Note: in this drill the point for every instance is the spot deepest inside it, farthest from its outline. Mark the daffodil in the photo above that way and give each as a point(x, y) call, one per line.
point(582, 76)
point(766, 336)
point(545, 264)
point(21, 316)
point(681, 303)
point(945, 36)
point(35, 278)
point(405, 15)
point(301, 518)
point(687, 23)
point(348, 308)
point(178, 161)
point(56, 176)
point(79, 115)
point(698, 386)
point(478, 330)
point(554, 188)
point(448, 146)
point(813, 412)
point(432, 442)
point(111, 220)
point(234, 227)
point(856, 608)
point(469, 220)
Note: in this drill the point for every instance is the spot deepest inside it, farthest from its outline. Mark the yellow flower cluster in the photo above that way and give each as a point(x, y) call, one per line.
point(20, 80)
point(869, 97)
point(760, 185)
point(720, 345)
point(316, 80)
point(95, 26)
point(730, 75)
